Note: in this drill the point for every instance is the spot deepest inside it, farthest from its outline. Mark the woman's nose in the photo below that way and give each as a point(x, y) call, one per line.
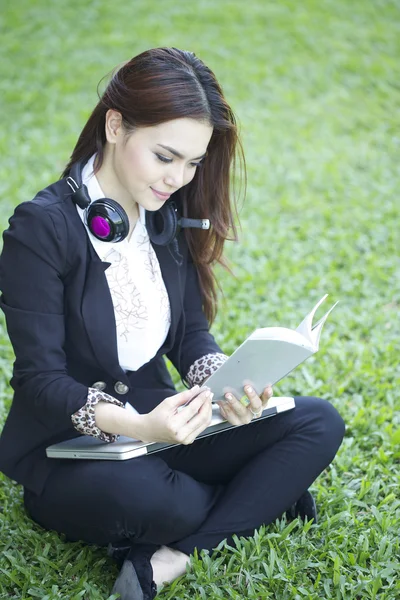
point(175, 177)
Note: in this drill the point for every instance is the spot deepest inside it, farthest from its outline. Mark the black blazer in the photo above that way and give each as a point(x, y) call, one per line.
point(60, 320)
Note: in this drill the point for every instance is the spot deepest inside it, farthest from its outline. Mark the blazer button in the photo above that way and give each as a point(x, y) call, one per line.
point(99, 385)
point(121, 388)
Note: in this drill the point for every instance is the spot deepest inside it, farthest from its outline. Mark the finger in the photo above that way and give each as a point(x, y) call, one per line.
point(234, 419)
point(255, 405)
point(236, 413)
point(191, 410)
point(229, 416)
point(221, 409)
point(203, 420)
point(235, 405)
point(197, 424)
point(267, 393)
point(182, 397)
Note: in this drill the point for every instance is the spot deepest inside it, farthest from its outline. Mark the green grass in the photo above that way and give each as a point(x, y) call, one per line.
point(316, 87)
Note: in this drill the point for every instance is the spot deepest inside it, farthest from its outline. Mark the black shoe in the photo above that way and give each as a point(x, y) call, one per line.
point(119, 551)
point(127, 584)
point(135, 581)
point(305, 507)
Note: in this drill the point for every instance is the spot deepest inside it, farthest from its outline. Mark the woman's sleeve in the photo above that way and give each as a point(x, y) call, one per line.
point(203, 367)
point(84, 419)
point(32, 265)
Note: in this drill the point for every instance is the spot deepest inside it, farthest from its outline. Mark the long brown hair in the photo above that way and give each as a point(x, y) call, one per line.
point(160, 85)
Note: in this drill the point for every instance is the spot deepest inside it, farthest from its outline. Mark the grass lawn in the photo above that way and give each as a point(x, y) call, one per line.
point(315, 85)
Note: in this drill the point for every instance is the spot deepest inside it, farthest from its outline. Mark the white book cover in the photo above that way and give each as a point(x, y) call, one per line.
point(267, 355)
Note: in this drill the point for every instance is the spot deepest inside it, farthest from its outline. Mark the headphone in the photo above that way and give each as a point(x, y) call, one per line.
point(108, 221)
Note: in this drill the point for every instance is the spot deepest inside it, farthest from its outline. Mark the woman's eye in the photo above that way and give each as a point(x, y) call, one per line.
point(163, 159)
point(167, 160)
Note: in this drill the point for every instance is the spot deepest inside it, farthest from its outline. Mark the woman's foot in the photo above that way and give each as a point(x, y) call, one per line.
point(305, 507)
point(168, 564)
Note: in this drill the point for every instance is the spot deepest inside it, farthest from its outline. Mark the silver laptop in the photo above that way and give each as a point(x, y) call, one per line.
point(88, 447)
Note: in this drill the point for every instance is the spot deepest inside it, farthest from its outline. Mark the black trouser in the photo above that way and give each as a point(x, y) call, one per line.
point(196, 495)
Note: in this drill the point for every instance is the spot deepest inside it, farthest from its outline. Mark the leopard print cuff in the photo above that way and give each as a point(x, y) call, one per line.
point(203, 367)
point(84, 420)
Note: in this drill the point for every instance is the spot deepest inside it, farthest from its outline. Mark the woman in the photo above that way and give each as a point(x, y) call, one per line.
point(98, 284)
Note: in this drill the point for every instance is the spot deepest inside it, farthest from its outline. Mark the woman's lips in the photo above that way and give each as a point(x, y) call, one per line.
point(160, 195)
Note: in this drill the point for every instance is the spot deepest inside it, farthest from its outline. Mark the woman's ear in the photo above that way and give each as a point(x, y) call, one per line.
point(113, 125)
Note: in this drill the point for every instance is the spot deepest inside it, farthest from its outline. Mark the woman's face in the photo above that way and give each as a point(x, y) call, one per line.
point(150, 164)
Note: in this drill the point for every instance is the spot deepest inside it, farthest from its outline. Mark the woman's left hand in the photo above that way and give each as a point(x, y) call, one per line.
point(234, 411)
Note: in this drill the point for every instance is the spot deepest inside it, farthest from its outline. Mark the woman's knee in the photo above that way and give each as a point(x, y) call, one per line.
point(325, 422)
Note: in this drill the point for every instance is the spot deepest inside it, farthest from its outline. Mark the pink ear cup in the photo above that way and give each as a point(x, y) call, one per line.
point(100, 227)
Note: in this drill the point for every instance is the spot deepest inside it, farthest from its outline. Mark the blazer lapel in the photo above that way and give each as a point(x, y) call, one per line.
point(172, 276)
point(97, 308)
point(99, 319)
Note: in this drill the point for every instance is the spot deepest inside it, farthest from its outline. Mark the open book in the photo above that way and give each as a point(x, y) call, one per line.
point(267, 355)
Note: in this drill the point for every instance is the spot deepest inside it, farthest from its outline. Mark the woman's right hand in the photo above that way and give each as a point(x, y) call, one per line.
point(166, 423)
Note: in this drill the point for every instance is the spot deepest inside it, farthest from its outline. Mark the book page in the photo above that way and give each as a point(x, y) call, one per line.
point(317, 328)
point(292, 336)
point(305, 327)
